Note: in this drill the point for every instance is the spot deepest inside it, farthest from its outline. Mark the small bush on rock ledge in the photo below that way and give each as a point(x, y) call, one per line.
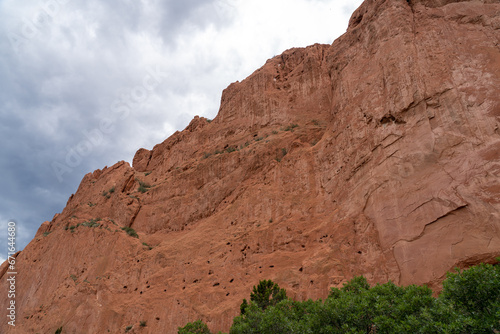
point(143, 187)
point(130, 231)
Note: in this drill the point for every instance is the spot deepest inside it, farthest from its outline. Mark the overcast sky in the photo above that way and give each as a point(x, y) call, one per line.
point(86, 83)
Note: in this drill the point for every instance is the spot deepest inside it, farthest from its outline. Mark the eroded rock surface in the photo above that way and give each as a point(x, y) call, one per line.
point(378, 155)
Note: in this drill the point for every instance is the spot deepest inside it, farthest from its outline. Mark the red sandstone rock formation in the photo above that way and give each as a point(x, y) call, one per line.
point(378, 155)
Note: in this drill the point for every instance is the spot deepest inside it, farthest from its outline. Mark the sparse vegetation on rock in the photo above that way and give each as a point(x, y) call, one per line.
point(92, 222)
point(291, 127)
point(143, 187)
point(130, 231)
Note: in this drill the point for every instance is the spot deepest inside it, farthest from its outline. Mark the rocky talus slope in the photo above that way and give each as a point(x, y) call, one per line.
point(378, 155)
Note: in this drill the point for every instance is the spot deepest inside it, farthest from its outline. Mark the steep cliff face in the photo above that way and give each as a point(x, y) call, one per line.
point(378, 155)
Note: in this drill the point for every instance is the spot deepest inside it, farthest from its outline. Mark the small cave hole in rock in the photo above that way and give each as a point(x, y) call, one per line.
point(387, 119)
point(357, 21)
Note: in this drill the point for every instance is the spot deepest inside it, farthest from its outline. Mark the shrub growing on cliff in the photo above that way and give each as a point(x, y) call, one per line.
point(130, 231)
point(92, 223)
point(230, 149)
point(291, 127)
point(143, 187)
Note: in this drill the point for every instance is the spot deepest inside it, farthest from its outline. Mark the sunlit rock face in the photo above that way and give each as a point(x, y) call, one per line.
point(378, 155)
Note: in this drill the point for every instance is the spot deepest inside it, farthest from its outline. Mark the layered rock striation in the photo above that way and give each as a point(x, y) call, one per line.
point(378, 155)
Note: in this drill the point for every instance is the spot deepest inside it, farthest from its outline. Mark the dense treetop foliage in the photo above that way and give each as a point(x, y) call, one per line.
point(469, 303)
point(197, 327)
